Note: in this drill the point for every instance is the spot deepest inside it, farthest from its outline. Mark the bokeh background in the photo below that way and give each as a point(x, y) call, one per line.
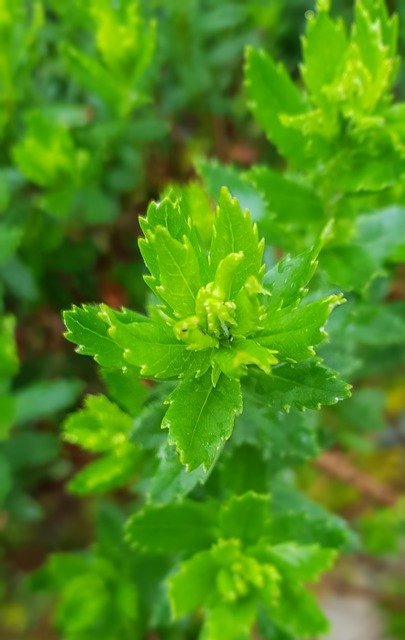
point(101, 110)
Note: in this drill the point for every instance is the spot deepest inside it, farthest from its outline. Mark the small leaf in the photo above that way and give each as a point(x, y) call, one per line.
point(272, 93)
point(234, 233)
point(101, 426)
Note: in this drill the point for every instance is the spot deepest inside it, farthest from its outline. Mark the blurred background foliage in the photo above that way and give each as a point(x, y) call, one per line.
point(103, 105)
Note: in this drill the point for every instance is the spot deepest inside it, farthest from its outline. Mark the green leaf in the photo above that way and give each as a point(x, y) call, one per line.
point(5, 478)
point(297, 612)
point(101, 426)
point(87, 329)
point(182, 527)
point(245, 517)
point(9, 240)
point(233, 233)
point(292, 333)
point(8, 350)
point(299, 562)
point(153, 347)
point(128, 391)
point(283, 439)
point(291, 201)
point(7, 415)
point(199, 428)
point(286, 281)
point(170, 481)
point(271, 93)
point(233, 360)
point(191, 587)
point(303, 385)
point(107, 473)
point(44, 399)
point(322, 33)
point(179, 272)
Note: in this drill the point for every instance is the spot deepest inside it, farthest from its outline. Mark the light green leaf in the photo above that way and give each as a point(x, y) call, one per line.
point(292, 333)
point(234, 233)
point(8, 349)
point(89, 331)
point(179, 272)
point(300, 562)
point(271, 93)
point(322, 33)
point(170, 481)
point(128, 391)
point(191, 587)
point(234, 359)
point(153, 347)
point(101, 426)
point(199, 428)
point(107, 473)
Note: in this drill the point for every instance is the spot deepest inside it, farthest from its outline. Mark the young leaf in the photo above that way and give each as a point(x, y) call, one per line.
point(234, 232)
point(199, 428)
point(271, 92)
point(101, 426)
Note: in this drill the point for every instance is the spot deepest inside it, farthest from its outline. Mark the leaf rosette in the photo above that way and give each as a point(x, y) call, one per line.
point(215, 314)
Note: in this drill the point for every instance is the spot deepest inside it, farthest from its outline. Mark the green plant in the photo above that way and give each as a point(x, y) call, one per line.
point(223, 334)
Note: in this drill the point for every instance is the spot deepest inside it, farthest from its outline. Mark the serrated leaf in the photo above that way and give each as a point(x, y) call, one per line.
point(286, 281)
point(292, 333)
point(153, 347)
point(282, 439)
point(322, 32)
point(199, 428)
point(271, 93)
point(179, 268)
point(183, 527)
point(89, 331)
point(234, 233)
point(101, 426)
point(291, 201)
point(303, 385)
point(245, 517)
point(234, 359)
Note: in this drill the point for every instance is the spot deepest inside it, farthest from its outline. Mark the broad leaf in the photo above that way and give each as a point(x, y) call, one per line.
point(303, 385)
point(183, 527)
point(199, 428)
